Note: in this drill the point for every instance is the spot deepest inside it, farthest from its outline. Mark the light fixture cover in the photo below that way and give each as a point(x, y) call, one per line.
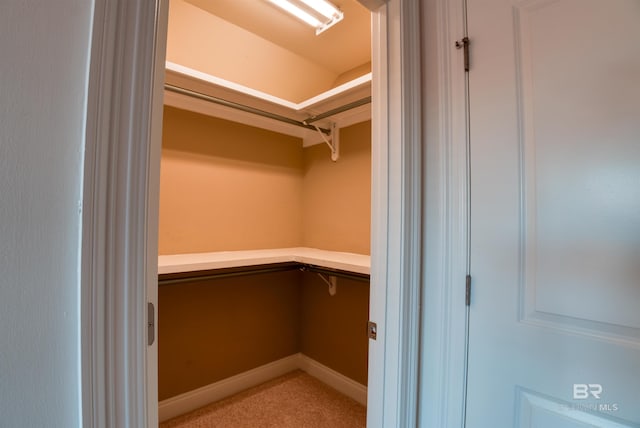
point(323, 7)
point(319, 14)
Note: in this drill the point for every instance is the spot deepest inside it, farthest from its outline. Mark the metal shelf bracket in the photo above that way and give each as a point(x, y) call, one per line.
point(333, 140)
point(331, 281)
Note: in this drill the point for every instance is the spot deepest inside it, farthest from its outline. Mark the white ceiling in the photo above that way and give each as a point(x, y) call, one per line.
point(341, 48)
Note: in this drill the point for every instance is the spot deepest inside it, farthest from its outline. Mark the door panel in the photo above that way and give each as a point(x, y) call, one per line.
point(537, 411)
point(555, 228)
point(581, 176)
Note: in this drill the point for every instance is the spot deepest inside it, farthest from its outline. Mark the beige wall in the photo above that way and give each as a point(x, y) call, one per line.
point(354, 73)
point(336, 213)
point(333, 329)
point(227, 186)
point(210, 330)
point(202, 41)
point(336, 201)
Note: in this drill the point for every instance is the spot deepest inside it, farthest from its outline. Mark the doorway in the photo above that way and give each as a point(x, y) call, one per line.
point(236, 181)
point(123, 345)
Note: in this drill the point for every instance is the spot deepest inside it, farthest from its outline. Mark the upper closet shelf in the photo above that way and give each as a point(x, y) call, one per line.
point(181, 263)
point(323, 111)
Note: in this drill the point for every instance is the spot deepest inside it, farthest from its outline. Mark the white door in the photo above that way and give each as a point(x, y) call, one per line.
point(554, 338)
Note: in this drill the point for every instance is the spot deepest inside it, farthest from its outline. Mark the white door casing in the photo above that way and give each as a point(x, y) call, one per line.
point(445, 217)
point(554, 338)
point(396, 206)
point(119, 231)
point(153, 207)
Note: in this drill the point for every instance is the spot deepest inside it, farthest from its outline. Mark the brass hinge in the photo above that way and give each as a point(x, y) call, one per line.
point(467, 291)
point(464, 45)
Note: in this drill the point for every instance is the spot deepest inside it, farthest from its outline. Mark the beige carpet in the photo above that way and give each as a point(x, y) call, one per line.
point(295, 400)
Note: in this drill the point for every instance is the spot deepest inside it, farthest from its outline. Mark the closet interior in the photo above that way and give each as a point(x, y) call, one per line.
point(264, 223)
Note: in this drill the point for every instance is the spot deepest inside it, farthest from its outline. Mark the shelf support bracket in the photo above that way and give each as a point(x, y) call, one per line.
point(331, 281)
point(333, 141)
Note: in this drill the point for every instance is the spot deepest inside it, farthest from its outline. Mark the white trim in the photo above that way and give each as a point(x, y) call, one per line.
point(117, 216)
point(350, 262)
point(396, 220)
point(153, 201)
point(410, 218)
point(192, 400)
point(310, 137)
point(189, 401)
point(443, 332)
point(352, 85)
point(198, 81)
point(379, 218)
point(227, 84)
point(196, 105)
point(337, 381)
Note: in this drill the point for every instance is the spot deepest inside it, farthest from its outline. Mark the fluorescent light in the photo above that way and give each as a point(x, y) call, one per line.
point(297, 12)
point(312, 12)
point(323, 7)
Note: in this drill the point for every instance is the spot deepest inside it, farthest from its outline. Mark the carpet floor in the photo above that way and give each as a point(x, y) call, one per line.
point(295, 400)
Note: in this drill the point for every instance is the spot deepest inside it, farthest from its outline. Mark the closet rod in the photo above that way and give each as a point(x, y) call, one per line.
point(251, 270)
point(334, 272)
point(242, 107)
point(255, 270)
point(337, 110)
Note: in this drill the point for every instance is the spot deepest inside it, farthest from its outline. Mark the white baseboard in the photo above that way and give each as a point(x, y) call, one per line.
point(338, 381)
point(189, 401)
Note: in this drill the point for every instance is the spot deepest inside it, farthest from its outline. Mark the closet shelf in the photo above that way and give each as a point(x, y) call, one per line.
point(350, 93)
point(358, 264)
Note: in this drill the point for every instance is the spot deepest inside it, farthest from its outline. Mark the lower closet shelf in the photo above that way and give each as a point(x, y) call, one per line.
point(185, 267)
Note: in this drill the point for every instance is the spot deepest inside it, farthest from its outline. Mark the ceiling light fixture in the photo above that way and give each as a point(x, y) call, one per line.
point(320, 14)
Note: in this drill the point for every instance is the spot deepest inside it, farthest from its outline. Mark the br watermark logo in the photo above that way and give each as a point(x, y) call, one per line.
point(582, 391)
point(590, 392)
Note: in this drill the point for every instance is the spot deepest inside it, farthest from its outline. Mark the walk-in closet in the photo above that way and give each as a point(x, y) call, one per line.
point(264, 221)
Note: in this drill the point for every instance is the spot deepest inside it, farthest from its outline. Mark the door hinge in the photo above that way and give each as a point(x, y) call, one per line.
point(464, 45)
point(151, 324)
point(467, 291)
point(372, 330)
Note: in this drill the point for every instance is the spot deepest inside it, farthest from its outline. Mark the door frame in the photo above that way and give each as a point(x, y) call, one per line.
point(396, 215)
point(120, 214)
point(445, 317)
